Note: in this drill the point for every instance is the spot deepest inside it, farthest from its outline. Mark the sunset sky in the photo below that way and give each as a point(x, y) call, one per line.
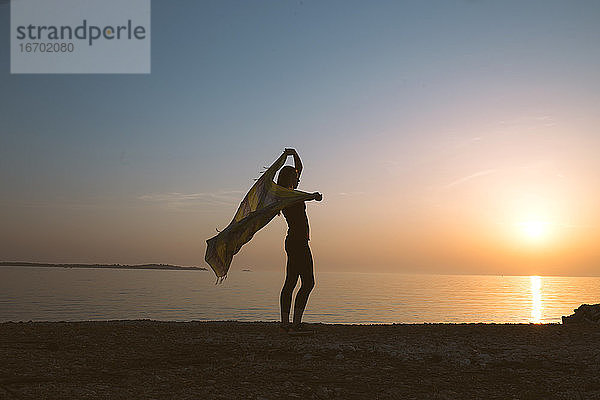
point(446, 137)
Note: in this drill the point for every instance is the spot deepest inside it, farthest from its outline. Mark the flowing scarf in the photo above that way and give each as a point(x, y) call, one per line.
point(262, 203)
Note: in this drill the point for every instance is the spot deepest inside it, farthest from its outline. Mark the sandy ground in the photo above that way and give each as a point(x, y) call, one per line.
point(233, 360)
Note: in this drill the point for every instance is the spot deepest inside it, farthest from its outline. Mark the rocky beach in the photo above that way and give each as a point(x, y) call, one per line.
point(145, 359)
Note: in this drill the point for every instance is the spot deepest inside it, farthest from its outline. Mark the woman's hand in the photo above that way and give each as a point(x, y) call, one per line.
point(318, 196)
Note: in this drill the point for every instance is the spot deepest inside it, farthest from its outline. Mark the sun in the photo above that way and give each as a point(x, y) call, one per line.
point(534, 230)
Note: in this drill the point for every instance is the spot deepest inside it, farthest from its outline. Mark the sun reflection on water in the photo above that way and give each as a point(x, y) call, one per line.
point(536, 299)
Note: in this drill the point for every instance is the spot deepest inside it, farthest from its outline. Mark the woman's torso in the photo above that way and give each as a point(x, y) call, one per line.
point(297, 221)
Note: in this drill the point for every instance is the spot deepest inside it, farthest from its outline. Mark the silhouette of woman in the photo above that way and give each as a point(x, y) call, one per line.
point(299, 257)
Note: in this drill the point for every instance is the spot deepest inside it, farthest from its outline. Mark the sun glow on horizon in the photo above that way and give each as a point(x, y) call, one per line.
point(536, 299)
point(534, 230)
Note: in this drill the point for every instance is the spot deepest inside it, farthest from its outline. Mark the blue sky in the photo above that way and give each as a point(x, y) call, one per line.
point(388, 103)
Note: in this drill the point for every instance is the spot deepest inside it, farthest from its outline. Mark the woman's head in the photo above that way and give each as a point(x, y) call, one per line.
point(288, 177)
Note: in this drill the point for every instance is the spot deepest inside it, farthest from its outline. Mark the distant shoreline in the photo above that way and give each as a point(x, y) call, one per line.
point(111, 266)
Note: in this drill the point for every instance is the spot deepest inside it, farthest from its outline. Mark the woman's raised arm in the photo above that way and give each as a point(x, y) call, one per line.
point(270, 172)
point(297, 161)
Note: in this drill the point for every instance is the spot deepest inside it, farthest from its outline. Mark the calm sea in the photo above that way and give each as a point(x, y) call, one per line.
point(72, 294)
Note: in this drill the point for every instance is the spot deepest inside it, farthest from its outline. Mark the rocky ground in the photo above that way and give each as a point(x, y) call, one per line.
point(233, 360)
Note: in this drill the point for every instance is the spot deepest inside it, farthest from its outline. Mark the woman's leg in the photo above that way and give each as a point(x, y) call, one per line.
point(308, 283)
point(291, 278)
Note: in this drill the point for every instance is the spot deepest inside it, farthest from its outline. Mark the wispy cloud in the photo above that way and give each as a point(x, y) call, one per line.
point(467, 178)
point(182, 200)
point(351, 193)
point(535, 121)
